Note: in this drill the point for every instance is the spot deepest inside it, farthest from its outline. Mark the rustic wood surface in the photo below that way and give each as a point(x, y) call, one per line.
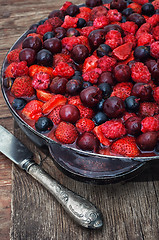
point(130, 209)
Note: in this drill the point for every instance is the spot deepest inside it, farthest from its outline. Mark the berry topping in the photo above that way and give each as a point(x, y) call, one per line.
point(43, 124)
point(22, 87)
point(66, 133)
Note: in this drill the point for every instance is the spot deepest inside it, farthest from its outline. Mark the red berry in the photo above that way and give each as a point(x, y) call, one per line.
point(113, 129)
point(69, 113)
point(88, 141)
point(66, 133)
point(85, 125)
point(113, 107)
point(147, 141)
point(140, 73)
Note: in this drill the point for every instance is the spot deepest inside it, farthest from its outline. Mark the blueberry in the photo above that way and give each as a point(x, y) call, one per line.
point(148, 9)
point(86, 84)
point(100, 118)
point(123, 20)
point(43, 124)
point(45, 58)
point(106, 89)
point(141, 52)
point(48, 35)
point(99, 106)
point(81, 23)
point(78, 73)
point(127, 11)
point(8, 82)
point(132, 103)
point(103, 50)
point(19, 103)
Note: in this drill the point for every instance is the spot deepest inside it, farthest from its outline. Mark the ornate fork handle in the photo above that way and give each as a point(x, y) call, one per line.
point(80, 209)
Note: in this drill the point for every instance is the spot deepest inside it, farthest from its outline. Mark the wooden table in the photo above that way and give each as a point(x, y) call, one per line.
point(131, 210)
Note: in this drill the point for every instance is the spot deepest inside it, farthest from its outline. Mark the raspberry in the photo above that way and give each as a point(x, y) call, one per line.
point(36, 68)
point(85, 125)
point(156, 33)
point(113, 39)
point(41, 80)
point(22, 87)
point(60, 57)
point(17, 69)
point(98, 11)
point(141, 2)
point(55, 22)
point(154, 20)
point(13, 56)
point(84, 15)
point(129, 27)
point(101, 22)
point(55, 116)
point(149, 124)
point(145, 39)
point(42, 29)
point(122, 90)
point(113, 129)
point(92, 76)
point(106, 63)
point(140, 73)
point(65, 5)
point(135, 7)
point(85, 112)
point(113, 15)
point(66, 133)
point(75, 100)
point(35, 35)
point(63, 70)
point(148, 109)
point(145, 28)
point(130, 38)
point(85, 31)
point(70, 22)
point(154, 49)
point(156, 95)
point(99, 134)
point(70, 42)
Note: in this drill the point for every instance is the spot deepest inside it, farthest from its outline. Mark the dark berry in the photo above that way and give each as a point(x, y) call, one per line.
point(132, 103)
point(133, 125)
point(127, 11)
point(122, 73)
point(69, 113)
point(43, 124)
point(141, 53)
point(93, 3)
point(45, 58)
point(88, 142)
point(113, 27)
point(106, 89)
point(8, 82)
point(106, 77)
point(157, 11)
point(58, 85)
point(136, 18)
point(123, 19)
point(78, 77)
point(100, 118)
point(41, 22)
point(48, 35)
point(32, 42)
point(142, 91)
point(79, 53)
point(81, 23)
point(113, 107)
point(153, 67)
point(90, 96)
point(147, 141)
point(120, 5)
point(99, 106)
point(96, 37)
point(72, 32)
point(148, 9)
point(103, 50)
point(86, 84)
point(19, 103)
point(72, 10)
point(34, 26)
point(28, 55)
point(57, 13)
point(73, 87)
point(90, 23)
point(60, 32)
point(54, 45)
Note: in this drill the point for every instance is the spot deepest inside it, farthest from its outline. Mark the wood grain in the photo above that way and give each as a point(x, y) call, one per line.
point(130, 209)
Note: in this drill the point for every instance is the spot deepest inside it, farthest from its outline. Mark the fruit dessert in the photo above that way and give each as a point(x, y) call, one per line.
point(88, 76)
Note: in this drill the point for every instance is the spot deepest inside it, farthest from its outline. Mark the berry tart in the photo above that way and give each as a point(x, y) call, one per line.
point(87, 77)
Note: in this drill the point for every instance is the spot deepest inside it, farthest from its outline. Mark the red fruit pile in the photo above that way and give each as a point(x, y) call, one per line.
point(89, 76)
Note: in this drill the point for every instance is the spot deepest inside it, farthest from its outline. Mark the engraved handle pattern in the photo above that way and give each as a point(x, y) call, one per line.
point(80, 209)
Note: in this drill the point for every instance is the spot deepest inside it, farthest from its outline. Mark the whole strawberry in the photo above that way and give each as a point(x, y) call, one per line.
point(22, 87)
point(66, 133)
point(85, 125)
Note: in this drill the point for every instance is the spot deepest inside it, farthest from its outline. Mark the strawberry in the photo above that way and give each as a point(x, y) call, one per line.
point(63, 70)
point(149, 124)
point(125, 146)
point(106, 151)
point(85, 31)
point(66, 133)
point(85, 112)
point(84, 13)
point(85, 125)
point(36, 68)
point(74, 100)
point(43, 95)
point(22, 87)
point(123, 51)
point(65, 5)
point(54, 115)
point(113, 129)
point(90, 63)
point(148, 109)
point(13, 56)
point(122, 90)
point(53, 102)
point(17, 69)
point(129, 27)
point(98, 132)
point(33, 110)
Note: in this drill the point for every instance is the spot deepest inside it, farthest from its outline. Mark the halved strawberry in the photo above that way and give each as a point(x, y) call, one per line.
point(53, 102)
point(43, 95)
point(55, 116)
point(90, 63)
point(36, 68)
point(98, 132)
point(33, 110)
point(123, 51)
